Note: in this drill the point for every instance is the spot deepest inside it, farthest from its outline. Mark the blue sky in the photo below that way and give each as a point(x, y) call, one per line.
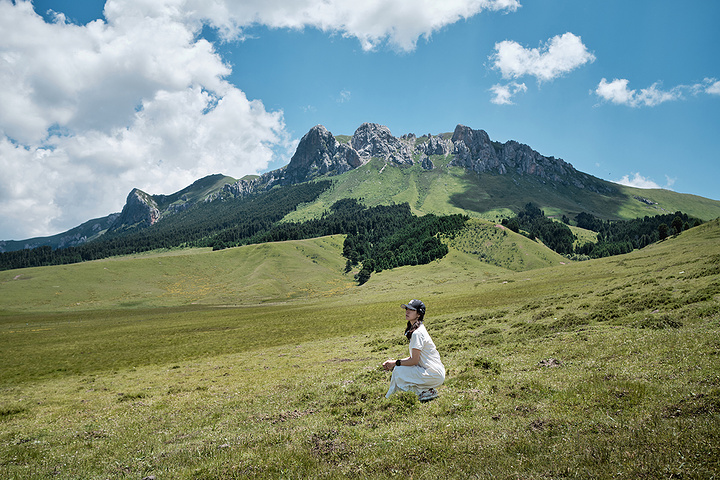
point(100, 98)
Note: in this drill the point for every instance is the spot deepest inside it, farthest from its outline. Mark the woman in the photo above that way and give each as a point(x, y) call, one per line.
point(422, 371)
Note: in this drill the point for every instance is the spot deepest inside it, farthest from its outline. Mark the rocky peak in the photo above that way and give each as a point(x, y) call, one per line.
point(319, 153)
point(373, 140)
point(316, 146)
point(140, 210)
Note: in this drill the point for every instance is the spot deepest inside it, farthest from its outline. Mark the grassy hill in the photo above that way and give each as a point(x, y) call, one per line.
point(447, 190)
point(245, 363)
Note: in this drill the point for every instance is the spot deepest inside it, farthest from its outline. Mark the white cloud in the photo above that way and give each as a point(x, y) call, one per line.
point(505, 93)
point(140, 99)
point(562, 54)
point(399, 22)
point(93, 111)
point(617, 92)
point(94, 75)
point(638, 181)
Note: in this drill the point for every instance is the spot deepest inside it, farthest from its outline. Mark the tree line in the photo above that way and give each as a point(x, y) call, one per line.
point(377, 238)
point(615, 237)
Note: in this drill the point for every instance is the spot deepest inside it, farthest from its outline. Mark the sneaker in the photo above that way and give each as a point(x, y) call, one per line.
point(428, 395)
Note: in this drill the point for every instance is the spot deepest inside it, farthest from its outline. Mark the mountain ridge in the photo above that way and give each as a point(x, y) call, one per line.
point(320, 154)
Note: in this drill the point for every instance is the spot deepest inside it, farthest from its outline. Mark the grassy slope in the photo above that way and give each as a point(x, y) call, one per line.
point(294, 390)
point(250, 275)
point(446, 190)
point(240, 276)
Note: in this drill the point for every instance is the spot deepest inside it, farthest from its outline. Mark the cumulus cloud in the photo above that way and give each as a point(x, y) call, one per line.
point(505, 93)
point(618, 92)
point(560, 55)
point(95, 110)
point(398, 22)
point(141, 99)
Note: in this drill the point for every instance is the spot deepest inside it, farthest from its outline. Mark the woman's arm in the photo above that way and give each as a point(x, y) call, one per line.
point(413, 359)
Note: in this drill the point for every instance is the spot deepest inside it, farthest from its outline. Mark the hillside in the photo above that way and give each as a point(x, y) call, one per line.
point(248, 275)
point(448, 189)
point(251, 275)
point(599, 369)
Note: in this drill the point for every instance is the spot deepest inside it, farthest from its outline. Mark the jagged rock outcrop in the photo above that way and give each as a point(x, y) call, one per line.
point(427, 164)
point(474, 151)
point(241, 188)
point(319, 153)
point(373, 140)
point(435, 145)
point(140, 210)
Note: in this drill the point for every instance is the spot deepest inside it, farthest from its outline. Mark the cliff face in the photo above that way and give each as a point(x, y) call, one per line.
point(140, 210)
point(319, 153)
point(474, 151)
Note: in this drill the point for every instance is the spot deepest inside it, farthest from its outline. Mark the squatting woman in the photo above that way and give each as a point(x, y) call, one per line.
point(422, 372)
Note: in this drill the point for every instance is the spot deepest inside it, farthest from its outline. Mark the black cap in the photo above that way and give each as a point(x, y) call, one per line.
point(414, 305)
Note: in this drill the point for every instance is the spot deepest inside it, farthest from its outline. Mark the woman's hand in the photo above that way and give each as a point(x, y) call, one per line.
point(389, 364)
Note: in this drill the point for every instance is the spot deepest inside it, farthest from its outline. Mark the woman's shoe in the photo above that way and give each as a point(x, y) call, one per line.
point(428, 395)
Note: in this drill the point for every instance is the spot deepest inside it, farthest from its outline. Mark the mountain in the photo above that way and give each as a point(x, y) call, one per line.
point(459, 172)
point(83, 233)
point(142, 210)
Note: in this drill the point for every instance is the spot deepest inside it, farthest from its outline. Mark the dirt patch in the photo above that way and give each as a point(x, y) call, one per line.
point(550, 362)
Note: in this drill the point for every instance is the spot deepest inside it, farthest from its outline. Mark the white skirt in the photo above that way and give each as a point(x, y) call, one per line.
point(415, 379)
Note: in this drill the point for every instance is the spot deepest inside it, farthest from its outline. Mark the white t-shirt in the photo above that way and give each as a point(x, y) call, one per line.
point(429, 356)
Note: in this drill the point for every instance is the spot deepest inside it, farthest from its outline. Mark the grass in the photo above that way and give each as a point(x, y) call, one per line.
point(496, 245)
point(241, 276)
point(599, 369)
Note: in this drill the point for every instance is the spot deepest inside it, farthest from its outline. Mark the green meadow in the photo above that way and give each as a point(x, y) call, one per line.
point(263, 361)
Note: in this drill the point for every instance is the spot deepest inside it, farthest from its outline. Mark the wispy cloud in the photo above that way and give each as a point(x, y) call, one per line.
point(714, 88)
point(618, 92)
point(505, 93)
point(344, 96)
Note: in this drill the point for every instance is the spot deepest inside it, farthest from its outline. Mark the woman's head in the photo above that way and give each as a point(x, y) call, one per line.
point(414, 311)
